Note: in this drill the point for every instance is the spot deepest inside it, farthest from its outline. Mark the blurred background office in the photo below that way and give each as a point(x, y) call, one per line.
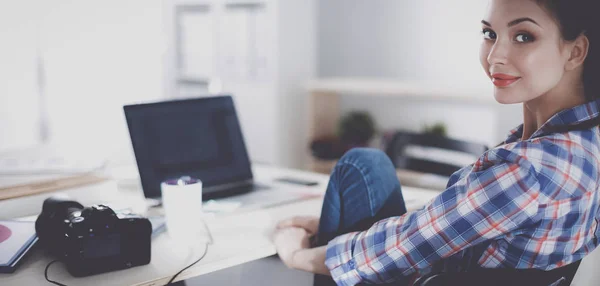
point(68, 66)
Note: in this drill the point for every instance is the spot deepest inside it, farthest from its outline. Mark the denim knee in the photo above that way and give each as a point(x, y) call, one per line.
point(367, 157)
point(373, 170)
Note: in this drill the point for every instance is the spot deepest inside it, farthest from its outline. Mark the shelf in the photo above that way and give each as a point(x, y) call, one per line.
point(400, 88)
point(326, 97)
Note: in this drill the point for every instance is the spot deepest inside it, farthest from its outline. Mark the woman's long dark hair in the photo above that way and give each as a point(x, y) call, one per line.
point(577, 17)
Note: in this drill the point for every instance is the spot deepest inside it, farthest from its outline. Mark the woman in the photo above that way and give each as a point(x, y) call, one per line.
point(530, 203)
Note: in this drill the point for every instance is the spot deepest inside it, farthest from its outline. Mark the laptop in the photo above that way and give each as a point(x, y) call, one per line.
point(202, 138)
point(199, 137)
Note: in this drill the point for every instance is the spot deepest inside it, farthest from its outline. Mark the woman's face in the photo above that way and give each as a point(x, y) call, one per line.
point(522, 50)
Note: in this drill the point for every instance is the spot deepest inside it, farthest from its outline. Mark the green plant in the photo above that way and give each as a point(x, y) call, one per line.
point(356, 128)
point(436, 129)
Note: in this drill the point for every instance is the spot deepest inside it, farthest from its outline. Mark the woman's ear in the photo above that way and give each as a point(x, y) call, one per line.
point(579, 52)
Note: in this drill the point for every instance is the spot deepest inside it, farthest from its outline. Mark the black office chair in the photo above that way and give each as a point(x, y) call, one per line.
point(401, 141)
point(562, 276)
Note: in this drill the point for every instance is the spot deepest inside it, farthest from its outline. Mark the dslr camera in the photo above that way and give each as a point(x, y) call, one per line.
point(92, 240)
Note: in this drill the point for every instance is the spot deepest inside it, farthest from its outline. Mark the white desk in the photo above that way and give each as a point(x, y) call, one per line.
point(238, 238)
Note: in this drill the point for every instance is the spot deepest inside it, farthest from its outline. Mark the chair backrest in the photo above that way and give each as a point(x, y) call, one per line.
point(562, 276)
point(429, 153)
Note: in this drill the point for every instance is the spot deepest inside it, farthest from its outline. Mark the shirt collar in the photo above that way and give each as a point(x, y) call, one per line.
point(567, 117)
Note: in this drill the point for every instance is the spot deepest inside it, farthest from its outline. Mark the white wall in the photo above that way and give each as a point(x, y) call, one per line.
point(97, 56)
point(18, 93)
point(297, 56)
point(100, 55)
point(431, 40)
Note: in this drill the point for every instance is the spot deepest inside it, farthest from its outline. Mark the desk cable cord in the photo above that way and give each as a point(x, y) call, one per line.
point(46, 274)
point(210, 241)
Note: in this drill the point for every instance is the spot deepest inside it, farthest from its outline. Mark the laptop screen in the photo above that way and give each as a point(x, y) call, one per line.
point(198, 137)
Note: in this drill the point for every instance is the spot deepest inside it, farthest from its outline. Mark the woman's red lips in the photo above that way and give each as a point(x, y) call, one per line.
point(503, 80)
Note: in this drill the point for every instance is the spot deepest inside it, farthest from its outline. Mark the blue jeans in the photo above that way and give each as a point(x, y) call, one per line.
point(362, 190)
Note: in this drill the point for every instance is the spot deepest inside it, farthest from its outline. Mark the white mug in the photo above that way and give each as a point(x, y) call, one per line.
point(182, 204)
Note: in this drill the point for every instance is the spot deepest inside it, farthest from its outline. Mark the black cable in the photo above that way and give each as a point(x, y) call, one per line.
point(169, 283)
point(193, 263)
point(46, 274)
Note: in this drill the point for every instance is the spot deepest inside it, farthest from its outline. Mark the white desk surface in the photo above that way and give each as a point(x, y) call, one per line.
point(238, 237)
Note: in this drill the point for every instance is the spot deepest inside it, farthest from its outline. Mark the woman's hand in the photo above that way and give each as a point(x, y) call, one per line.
point(288, 241)
point(294, 250)
point(308, 223)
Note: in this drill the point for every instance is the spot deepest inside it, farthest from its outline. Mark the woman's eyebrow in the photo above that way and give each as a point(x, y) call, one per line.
point(513, 22)
point(521, 20)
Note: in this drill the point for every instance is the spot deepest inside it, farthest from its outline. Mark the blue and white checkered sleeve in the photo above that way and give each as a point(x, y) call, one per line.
point(481, 206)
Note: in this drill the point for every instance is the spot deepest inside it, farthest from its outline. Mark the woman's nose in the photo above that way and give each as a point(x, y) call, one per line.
point(498, 54)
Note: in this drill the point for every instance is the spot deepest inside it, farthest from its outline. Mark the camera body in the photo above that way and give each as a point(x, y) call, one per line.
point(91, 240)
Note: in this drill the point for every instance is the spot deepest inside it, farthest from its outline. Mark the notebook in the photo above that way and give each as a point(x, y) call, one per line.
point(16, 239)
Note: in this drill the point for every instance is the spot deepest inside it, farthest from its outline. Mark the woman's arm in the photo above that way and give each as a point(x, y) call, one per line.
point(294, 250)
point(482, 206)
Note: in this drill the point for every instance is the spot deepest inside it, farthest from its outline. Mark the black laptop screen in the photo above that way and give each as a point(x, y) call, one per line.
point(198, 137)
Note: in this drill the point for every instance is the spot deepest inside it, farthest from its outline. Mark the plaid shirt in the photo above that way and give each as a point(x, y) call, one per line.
point(524, 204)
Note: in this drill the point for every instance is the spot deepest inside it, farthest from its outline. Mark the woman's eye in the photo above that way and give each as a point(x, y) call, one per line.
point(523, 38)
point(488, 34)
